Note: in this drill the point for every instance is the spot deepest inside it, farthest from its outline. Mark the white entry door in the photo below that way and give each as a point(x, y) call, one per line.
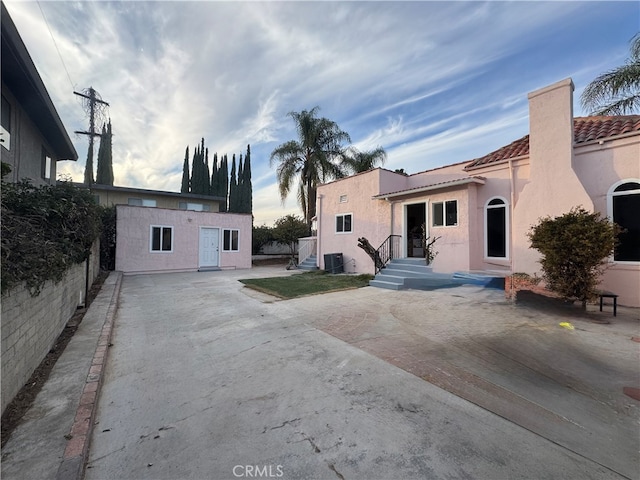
point(209, 246)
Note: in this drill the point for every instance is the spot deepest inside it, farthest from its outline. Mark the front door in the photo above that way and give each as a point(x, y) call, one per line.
point(416, 216)
point(209, 246)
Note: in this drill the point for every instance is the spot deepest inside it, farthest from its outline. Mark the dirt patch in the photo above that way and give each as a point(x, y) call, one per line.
point(24, 399)
point(270, 261)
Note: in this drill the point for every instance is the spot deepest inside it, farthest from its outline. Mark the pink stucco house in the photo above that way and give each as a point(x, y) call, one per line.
point(167, 240)
point(483, 208)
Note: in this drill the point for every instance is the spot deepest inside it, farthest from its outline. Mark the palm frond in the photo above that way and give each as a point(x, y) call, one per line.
point(287, 172)
point(285, 152)
point(615, 92)
point(635, 48)
point(312, 158)
point(356, 161)
point(620, 106)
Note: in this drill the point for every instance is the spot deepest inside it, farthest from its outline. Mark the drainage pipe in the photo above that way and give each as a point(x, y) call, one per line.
point(318, 230)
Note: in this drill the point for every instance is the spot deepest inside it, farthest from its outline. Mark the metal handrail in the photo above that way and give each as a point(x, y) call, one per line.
point(387, 251)
point(307, 246)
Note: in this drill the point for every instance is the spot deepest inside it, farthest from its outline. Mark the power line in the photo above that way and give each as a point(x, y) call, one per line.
point(94, 103)
point(56, 44)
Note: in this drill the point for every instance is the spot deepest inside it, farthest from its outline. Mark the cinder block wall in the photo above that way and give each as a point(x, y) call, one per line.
point(31, 325)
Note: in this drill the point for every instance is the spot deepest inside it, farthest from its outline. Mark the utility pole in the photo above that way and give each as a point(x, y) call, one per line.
point(95, 105)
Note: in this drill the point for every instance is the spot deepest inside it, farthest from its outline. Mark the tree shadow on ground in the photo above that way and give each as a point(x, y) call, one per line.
point(560, 307)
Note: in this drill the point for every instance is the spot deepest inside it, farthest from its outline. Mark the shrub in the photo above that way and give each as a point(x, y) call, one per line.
point(260, 237)
point(574, 249)
point(288, 230)
point(108, 238)
point(45, 230)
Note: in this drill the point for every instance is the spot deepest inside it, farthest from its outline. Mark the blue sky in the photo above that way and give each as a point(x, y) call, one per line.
point(433, 83)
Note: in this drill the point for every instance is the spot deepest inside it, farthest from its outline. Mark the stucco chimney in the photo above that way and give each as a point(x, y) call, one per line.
point(551, 129)
point(553, 187)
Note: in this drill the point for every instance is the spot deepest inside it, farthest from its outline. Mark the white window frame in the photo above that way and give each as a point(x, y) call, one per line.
point(47, 164)
point(161, 227)
point(5, 135)
point(196, 207)
point(335, 223)
point(444, 213)
point(507, 226)
point(231, 230)
point(612, 193)
point(5, 138)
point(144, 202)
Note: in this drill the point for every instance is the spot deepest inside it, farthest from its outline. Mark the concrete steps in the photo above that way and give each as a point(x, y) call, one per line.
point(309, 264)
point(405, 273)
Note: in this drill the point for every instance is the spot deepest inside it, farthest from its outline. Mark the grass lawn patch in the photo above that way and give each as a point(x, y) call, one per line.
point(307, 283)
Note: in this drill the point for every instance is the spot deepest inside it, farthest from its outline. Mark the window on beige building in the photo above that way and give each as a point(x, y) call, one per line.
point(141, 202)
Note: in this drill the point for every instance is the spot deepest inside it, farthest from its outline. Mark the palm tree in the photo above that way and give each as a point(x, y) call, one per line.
point(310, 159)
point(355, 161)
point(617, 91)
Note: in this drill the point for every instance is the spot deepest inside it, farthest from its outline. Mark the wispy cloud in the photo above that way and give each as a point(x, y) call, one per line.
point(431, 82)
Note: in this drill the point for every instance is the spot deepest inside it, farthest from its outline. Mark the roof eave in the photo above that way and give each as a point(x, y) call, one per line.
point(27, 86)
point(143, 191)
point(429, 188)
point(499, 162)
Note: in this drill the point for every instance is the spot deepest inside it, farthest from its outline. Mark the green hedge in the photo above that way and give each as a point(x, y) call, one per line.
point(45, 230)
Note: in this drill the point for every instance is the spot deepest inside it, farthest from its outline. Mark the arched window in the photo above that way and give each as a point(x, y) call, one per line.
point(496, 229)
point(623, 205)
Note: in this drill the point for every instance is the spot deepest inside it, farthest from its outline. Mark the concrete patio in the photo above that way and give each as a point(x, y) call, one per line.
point(207, 378)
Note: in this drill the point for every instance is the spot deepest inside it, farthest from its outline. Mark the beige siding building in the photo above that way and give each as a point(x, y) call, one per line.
point(109, 195)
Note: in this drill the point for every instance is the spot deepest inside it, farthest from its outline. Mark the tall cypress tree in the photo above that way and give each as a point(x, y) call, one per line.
point(200, 170)
point(195, 172)
point(213, 184)
point(104, 175)
point(248, 193)
point(240, 188)
point(109, 169)
point(233, 187)
point(185, 173)
point(102, 150)
point(206, 174)
point(224, 181)
point(88, 169)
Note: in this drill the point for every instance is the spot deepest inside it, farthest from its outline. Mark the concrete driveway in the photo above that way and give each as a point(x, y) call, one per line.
point(209, 380)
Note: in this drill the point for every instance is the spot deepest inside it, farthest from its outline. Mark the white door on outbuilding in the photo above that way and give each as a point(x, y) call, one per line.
point(209, 246)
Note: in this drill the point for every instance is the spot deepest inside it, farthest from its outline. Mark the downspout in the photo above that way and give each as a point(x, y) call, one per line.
point(511, 210)
point(85, 303)
point(319, 229)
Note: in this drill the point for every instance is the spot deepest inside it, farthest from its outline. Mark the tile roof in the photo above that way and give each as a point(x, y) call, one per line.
point(585, 129)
